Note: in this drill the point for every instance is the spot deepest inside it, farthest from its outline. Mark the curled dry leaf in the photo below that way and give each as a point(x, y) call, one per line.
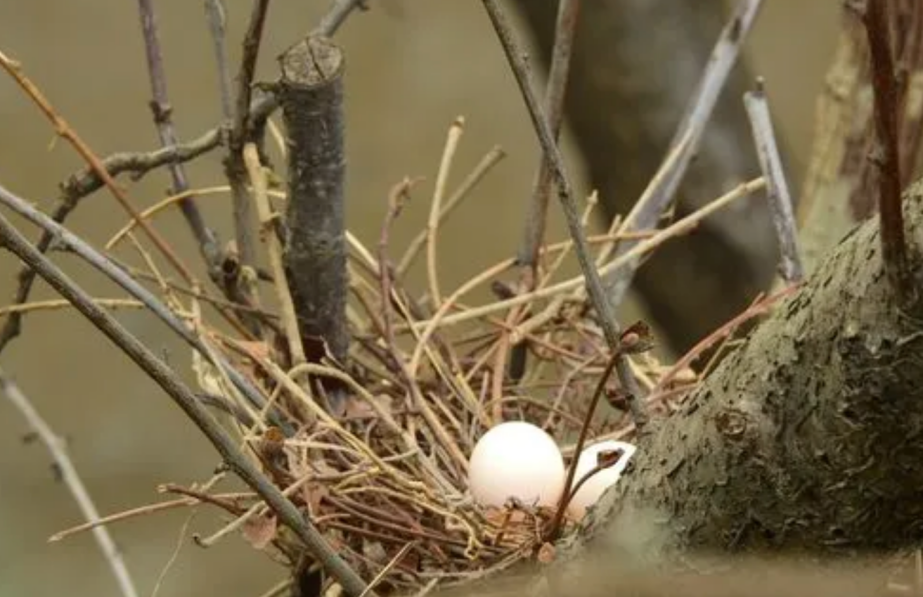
point(260, 531)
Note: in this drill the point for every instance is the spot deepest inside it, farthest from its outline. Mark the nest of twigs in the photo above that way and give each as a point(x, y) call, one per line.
point(385, 479)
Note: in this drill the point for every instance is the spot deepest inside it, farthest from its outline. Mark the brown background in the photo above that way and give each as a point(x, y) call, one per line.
point(412, 67)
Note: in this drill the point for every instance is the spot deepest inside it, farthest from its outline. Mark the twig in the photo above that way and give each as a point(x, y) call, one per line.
point(724, 55)
point(55, 304)
point(236, 460)
point(780, 200)
point(64, 130)
point(163, 119)
point(216, 15)
point(552, 153)
point(760, 306)
point(555, 91)
point(66, 238)
point(311, 94)
point(337, 15)
point(267, 218)
point(677, 228)
point(69, 474)
point(175, 554)
point(141, 511)
point(435, 211)
point(554, 526)
point(887, 154)
point(86, 181)
point(490, 159)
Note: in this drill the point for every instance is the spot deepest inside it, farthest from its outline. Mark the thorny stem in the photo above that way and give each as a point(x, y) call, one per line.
point(887, 156)
point(597, 295)
point(163, 119)
point(236, 460)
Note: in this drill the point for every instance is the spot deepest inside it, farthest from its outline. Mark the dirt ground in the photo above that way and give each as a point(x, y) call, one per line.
point(412, 67)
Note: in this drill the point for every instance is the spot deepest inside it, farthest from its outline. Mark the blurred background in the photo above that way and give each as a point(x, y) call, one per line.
point(412, 67)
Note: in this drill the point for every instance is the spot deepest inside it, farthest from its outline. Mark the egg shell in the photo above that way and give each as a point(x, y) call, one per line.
point(596, 485)
point(516, 459)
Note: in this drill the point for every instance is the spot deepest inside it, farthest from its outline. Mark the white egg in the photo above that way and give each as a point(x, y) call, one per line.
point(594, 487)
point(519, 460)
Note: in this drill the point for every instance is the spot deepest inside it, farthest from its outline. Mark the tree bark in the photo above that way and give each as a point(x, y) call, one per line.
point(635, 64)
point(806, 439)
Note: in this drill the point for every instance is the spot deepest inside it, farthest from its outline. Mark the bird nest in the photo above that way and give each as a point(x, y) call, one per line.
point(384, 477)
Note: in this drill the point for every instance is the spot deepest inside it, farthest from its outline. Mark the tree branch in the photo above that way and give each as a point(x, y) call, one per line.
point(887, 155)
point(311, 95)
point(163, 119)
point(66, 239)
point(73, 482)
point(236, 460)
point(610, 326)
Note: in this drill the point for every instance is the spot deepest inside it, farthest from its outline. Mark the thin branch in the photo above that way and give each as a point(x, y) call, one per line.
point(64, 130)
point(887, 154)
point(66, 239)
point(780, 199)
point(86, 181)
point(490, 159)
point(163, 119)
point(645, 216)
point(556, 88)
point(337, 15)
point(597, 295)
point(236, 460)
point(235, 170)
point(435, 211)
point(217, 21)
point(267, 219)
point(72, 479)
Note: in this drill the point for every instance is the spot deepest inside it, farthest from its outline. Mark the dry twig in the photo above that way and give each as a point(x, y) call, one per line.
point(72, 480)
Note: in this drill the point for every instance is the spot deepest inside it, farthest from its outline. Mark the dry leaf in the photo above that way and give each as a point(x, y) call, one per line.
point(259, 531)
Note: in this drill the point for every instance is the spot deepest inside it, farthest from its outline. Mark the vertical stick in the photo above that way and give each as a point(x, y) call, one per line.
point(887, 156)
point(311, 95)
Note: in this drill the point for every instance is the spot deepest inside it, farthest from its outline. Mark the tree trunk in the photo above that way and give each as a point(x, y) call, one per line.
point(635, 64)
point(806, 439)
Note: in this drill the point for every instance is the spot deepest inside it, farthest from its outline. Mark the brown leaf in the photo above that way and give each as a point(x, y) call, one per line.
point(259, 531)
point(546, 553)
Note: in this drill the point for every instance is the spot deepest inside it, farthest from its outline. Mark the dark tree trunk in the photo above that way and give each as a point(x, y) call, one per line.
point(635, 65)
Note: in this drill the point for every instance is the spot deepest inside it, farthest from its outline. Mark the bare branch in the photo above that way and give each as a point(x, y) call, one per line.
point(236, 460)
point(64, 130)
point(66, 239)
point(887, 154)
point(610, 326)
point(137, 164)
point(337, 15)
point(645, 214)
point(72, 479)
point(311, 94)
point(163, 119)
point(235, 170)
point(780, 199)
point(555, 91)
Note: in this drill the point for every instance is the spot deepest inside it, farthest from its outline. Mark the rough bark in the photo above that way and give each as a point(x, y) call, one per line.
point(806, 439)
point(635, 64)
point(311, 95)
